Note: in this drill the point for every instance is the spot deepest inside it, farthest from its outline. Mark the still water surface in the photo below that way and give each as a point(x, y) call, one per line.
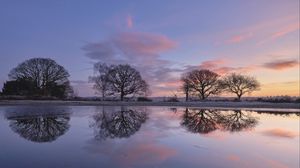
point(88, 136)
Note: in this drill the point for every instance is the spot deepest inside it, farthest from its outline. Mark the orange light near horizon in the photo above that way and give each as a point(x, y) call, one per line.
point(279, 89)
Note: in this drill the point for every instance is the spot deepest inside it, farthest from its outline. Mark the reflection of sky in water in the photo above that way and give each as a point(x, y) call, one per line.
point(154, 137)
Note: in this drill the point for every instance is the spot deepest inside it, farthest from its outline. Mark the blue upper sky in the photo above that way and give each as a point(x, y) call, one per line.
point(162, 39)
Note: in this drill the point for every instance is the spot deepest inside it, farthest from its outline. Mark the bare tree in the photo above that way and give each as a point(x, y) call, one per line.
point(119, 80)
point(101, 83)
point(39, 124)
point(204, 82)
point(205, 121)
point(125, 80)
point(185, 87)
point(237, 120)
point(44, 73)
point(200, 120)
point(118, 124)
point(239, 84)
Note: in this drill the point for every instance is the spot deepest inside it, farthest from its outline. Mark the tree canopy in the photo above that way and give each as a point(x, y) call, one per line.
point(203, 82)
point(239, 84)
point(38, 77)
point(119, 80)
point(118, 123)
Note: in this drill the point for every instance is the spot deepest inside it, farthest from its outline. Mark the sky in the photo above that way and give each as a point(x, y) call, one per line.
point(161, 39)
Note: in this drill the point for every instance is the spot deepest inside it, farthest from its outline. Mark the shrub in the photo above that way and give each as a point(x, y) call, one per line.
point(144, 99)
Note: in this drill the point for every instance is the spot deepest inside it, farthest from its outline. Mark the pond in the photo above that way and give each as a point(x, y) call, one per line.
point(97, 136)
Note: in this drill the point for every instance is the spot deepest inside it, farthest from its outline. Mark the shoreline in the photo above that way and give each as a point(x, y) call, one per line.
point(209, 104)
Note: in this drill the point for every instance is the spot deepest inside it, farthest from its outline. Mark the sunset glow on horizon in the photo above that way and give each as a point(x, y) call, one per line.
point(161, 39)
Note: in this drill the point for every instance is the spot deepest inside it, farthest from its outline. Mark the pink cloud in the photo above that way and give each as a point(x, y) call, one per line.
point(224, 70)
point(239, 38)
point(281, 64)
point(219, 66)
point(140, 49)
point(131, 47)
point(265, 31)
point(163, 91)
point(129, 21)
point(281, 33)
point(289, 29)
point(233, 158)
point(278, 132)
point(245, 69)
point(145, 154)
point(211, 64)
point(143, 43)
point(246, 36)
point(262, 161)
point(174, 83)
point(276, 164)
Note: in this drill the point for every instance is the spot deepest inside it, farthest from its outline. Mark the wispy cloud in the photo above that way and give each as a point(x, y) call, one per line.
point(239, 38)
point(233, 158)
point(211, 64)
point(262, 32)
point(289, 29)
point(281, 64)
point(278, 132)
point(242, 162)
point(135, 47)
point(280, 33)
point(220, 67)
point(139, 49)
point(287, 83)
point(129, 21)
point(276, 164)
point(145, 154)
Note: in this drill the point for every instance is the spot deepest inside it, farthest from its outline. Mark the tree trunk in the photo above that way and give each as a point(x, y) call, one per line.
point(122, 96)
point(186, 96)
point(202, 96)
point(239, 97)
point(103, 95)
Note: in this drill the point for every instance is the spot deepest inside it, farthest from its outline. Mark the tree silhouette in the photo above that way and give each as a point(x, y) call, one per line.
point(125, 80)
point(200, 120)
point(118, 80)
point(236, 120)
point(39, 127)
point(118, 124)
point(45, 76)
point(203, 82)
point(205, 121)
point(20, 87)
point(100, 79)
point(185, 87)
point(239, 84)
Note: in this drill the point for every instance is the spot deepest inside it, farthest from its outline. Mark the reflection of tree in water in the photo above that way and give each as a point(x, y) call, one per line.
point(236, 120)
point(204, 121)
point(200, 120)
point(118, 124)
point(173, 109)
point(39, 127)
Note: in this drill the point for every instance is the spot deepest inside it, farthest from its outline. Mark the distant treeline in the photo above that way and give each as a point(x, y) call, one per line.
point(43, 78)
point(279, 99)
